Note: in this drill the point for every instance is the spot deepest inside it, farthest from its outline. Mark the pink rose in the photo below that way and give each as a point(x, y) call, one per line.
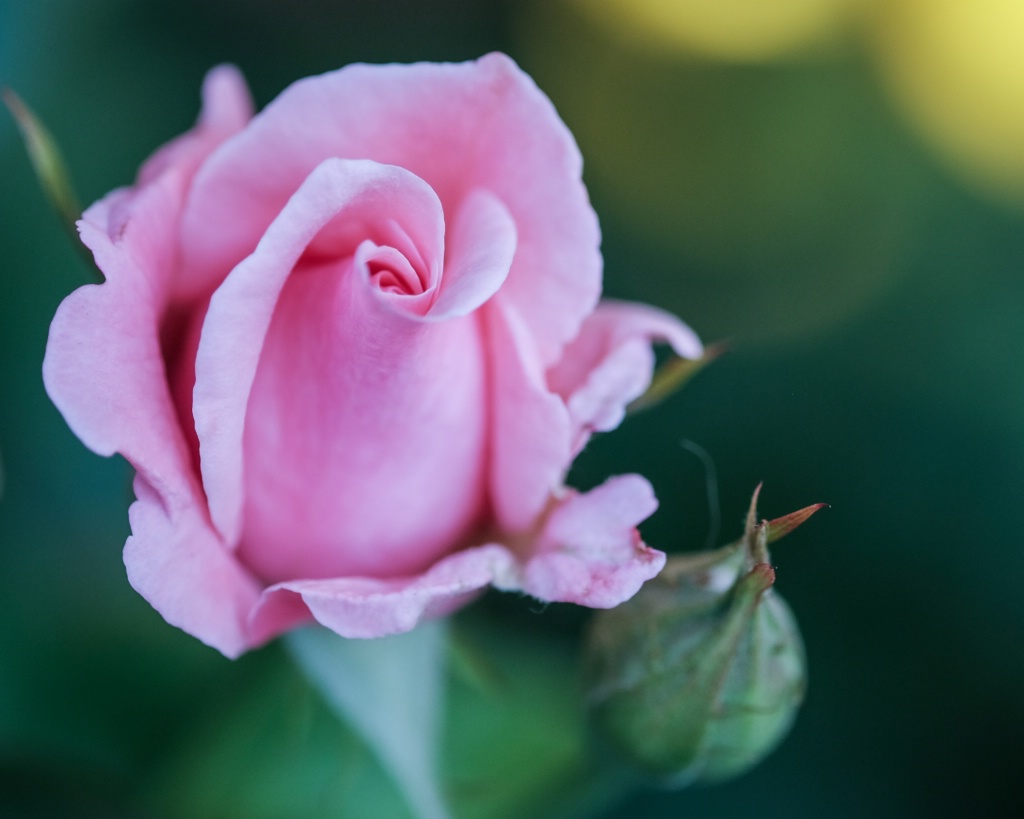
point(351, 346)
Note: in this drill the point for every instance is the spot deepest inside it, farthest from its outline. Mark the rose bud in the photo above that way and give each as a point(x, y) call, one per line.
point(700, 675)
point(351, 347)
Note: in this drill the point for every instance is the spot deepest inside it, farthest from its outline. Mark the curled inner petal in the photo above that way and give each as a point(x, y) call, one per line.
point(341, 433)
point(364, 439)
point(391, 272)
point(404, 285)
point(341, 204)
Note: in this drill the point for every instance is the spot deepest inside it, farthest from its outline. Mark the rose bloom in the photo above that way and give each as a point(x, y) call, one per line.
point(351, 346)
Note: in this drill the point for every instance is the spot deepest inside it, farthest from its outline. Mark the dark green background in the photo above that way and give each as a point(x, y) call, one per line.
point(875, 307)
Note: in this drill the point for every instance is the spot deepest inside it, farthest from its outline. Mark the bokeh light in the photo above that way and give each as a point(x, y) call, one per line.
point(956, 70)
point(740, 30)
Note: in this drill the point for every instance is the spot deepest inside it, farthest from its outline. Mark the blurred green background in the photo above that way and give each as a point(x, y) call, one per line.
point(838, 192)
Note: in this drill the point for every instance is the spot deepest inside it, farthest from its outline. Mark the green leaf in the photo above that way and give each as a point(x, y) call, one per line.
point(270, 747)
point(517, 742)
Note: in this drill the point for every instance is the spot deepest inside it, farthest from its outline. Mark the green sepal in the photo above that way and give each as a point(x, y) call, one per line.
point(46, 158)
point(49, 166)
point(672, 375)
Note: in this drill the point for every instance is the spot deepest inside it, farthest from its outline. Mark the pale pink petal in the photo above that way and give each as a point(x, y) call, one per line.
point(530, 426)
point(176, 561)
point(104, 368)
point(457, 126)
point(394, 279)
point(105, 371)
point(227, 109)
point(481, 246)
point(366, 607)
point(589, 551)
point(358, 197)
point(611, 363)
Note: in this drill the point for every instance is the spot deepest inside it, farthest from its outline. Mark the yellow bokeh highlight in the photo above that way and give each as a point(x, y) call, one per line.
point(768, 193)
point(956, 68)
point(734, 30)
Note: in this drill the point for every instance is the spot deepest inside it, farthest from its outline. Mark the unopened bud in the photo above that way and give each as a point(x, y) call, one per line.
point(701, 674)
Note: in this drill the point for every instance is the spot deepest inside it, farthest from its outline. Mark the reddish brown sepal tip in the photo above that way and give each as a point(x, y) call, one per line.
point(780, 527)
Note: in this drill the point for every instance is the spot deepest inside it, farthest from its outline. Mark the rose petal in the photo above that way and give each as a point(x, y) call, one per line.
point(482, 245)
point(365, 434)
point(589, 551)
point(610, 363)
point(530, 431)
point(176, 561)
point(227, 109)
point(241, 310)
point(104, 369)
point(457, 126)
point(366, 607)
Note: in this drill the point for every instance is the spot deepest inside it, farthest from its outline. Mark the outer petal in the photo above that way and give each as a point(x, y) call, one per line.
point(177, 562)
point(457, 126)
point(227, 108)
point(105, 371)
point(587, 552)
point(366, 607)
point(540, 421)
point(103, 366)
point(611, 362)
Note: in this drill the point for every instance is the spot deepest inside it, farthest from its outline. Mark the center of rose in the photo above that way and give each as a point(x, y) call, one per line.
point(391, 272)
point(394, 272)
